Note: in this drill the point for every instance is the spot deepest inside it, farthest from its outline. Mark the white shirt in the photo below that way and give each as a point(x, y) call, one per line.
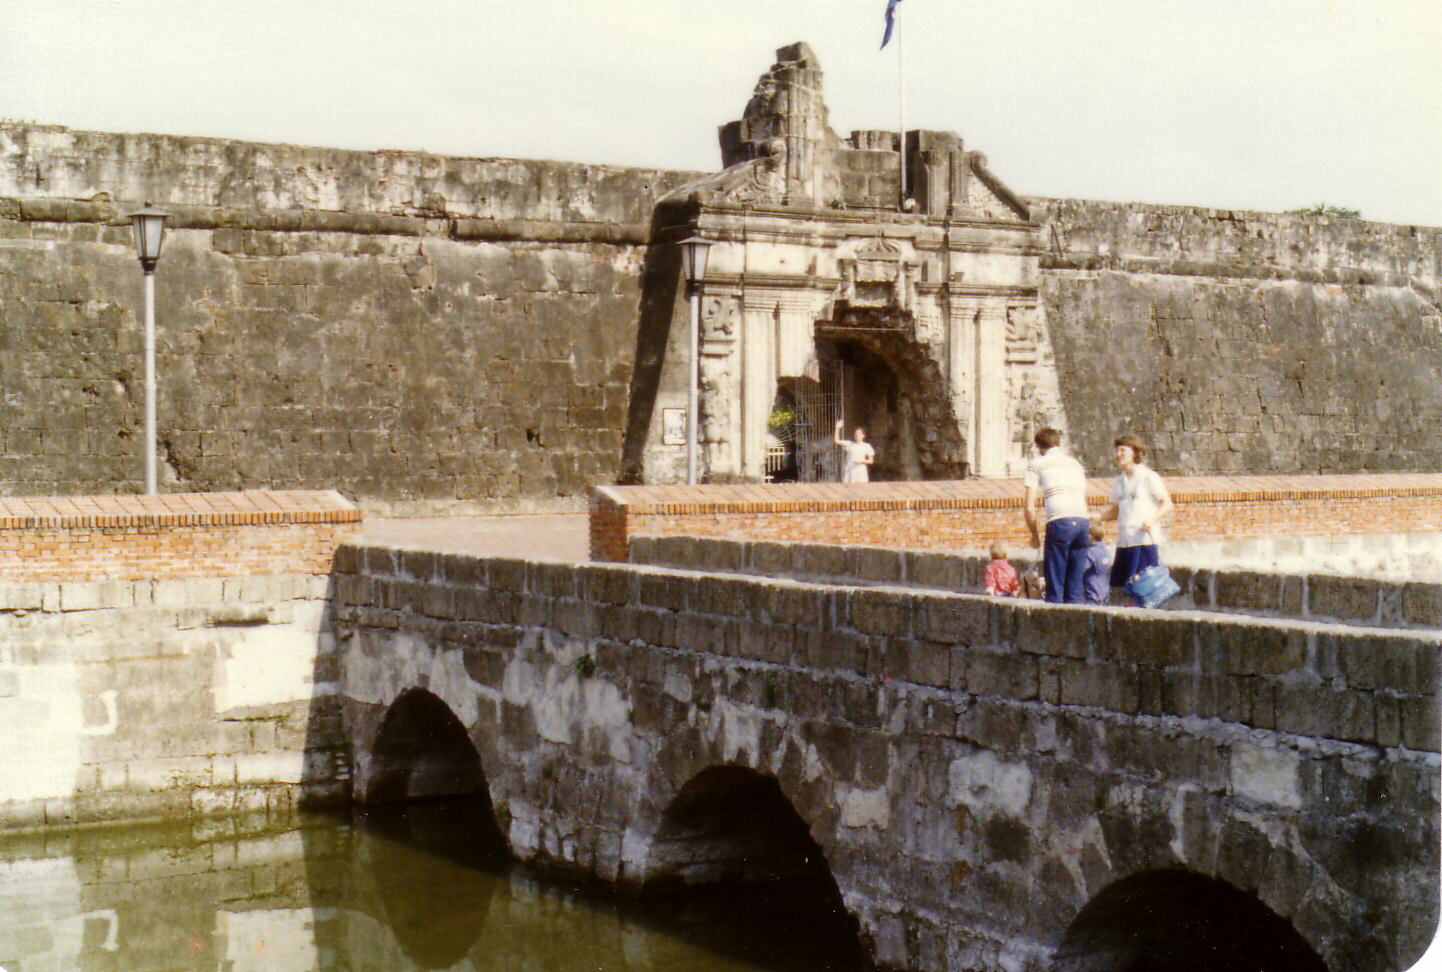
point(857, 456)
point(1063, 483)
point(1138, 498)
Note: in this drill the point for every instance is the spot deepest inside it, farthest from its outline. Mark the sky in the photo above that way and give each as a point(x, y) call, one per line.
point(1233, 104)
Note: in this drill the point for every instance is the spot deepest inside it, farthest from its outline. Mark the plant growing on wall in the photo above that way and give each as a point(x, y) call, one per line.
point(1330, 212)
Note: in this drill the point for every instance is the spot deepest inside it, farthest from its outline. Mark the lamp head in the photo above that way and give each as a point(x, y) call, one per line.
point(693, 259)
point(148, 224)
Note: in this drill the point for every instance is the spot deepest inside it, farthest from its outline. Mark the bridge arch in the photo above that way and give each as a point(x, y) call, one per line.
point(421, 751)
point(1174, 920)
point(730, 834)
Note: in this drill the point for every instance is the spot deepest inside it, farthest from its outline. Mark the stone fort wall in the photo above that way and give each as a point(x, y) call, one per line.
point(426, 333)
point(1241, 342)
point(417, 332)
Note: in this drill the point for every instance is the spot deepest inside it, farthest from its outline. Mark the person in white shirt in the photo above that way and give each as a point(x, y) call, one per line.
point(859, 454)
point(1060, 482)
point(1139, 503)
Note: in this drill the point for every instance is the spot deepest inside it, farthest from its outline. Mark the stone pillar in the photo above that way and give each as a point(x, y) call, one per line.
point(795, 335)
point(992, 428)
point(961, 370)
point(758, 379)
point(720, 386)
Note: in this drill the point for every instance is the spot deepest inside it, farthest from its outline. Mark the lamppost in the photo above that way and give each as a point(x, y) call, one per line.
point(693, 257)
point(149, 226)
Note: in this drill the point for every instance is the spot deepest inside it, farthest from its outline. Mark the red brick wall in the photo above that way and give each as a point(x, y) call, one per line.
point(174, 535)
point(973, 513)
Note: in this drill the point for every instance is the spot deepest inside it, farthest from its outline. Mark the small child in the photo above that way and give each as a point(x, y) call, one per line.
point(1001, 576)
point(1096, 579)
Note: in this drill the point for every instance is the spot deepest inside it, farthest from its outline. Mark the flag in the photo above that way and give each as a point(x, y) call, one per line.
point(890, 21)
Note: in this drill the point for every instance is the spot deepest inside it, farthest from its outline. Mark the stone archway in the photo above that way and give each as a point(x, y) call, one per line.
point(1173, 920)
point(811, 234)
point(898, 392)
point(422, 751)
point(731, 846)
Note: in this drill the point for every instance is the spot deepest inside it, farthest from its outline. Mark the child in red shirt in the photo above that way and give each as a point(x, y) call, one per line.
point(1001, 576)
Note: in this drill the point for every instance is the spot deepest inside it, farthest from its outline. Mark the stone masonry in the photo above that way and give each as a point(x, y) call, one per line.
point(426, 333)
point(127, 700)
point(167, 656)
point(975, 771)
point(1245, 342)
point(1362, 601)
point(418, 332)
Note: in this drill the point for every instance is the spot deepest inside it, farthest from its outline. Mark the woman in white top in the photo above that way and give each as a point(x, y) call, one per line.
point(859, 455)
point(1139, 503)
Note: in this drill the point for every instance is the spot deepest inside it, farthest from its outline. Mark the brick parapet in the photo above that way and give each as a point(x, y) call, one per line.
point(83, 538)
point(974, 513)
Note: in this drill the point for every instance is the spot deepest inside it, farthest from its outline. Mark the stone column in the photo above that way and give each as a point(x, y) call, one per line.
point(758, 379)
point(961, 370)
point(720, 386)
point(795, 335)
point(991, 432)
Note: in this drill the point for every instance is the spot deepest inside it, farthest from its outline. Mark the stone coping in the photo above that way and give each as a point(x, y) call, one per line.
point(246, 508)
point(1314, 597)
point(993, 493)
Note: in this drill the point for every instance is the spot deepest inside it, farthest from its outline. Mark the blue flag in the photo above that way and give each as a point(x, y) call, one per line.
point(890, 21)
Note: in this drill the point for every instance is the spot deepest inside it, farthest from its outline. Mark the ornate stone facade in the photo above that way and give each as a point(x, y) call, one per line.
point(932, 299)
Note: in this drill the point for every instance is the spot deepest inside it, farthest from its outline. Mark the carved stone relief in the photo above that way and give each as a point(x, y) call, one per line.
point(1023, 334)
point(715, 386)
point(718, 319)
point(816, 254)
point(765, 179)
point(1033, 389)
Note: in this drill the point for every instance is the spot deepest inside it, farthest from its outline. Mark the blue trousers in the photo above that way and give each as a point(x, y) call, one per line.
point(1064, 558)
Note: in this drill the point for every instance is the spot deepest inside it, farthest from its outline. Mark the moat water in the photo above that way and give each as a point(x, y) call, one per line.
point(399, 889)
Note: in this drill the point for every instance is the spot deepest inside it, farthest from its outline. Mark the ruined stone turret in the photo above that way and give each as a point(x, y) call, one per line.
point(785, 124)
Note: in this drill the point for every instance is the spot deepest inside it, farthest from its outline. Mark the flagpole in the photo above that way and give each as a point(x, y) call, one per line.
point(901, 106)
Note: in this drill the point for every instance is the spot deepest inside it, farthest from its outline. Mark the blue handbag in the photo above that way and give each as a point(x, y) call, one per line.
point(1152, 587)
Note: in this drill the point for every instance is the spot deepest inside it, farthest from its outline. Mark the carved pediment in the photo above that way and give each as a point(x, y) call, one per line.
point(879, 249)
point(876, 275)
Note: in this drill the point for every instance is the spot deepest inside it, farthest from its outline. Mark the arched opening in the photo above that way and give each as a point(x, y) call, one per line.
point(1177, 921)
point(428, 793)
point(422, 751)
point(734, 867)
point(897, 392)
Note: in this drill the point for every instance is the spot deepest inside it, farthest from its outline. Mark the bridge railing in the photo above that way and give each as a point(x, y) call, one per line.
point(1370, 602)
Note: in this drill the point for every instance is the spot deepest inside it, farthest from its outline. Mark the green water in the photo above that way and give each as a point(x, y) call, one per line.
point(398, 890)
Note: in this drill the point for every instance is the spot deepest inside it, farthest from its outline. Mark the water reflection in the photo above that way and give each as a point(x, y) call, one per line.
point(417, 887)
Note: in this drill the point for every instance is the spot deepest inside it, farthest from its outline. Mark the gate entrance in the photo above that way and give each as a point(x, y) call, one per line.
point(803, 423)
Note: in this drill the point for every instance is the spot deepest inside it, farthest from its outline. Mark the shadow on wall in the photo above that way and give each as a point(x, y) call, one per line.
point(660, 279)
point(1177, 921)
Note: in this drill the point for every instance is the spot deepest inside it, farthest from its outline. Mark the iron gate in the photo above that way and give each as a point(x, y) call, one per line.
point(819, 404)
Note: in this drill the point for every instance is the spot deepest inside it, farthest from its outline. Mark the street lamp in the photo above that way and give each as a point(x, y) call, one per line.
point(693, 258)
point(149, 226)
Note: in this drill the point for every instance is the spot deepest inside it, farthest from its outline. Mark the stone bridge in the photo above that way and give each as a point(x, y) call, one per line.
point(969, 783)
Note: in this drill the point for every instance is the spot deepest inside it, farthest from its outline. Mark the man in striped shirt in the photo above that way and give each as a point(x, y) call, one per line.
point(1060, 482)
